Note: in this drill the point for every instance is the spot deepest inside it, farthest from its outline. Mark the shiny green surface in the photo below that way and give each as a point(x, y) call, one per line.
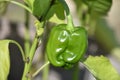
point(64, 47)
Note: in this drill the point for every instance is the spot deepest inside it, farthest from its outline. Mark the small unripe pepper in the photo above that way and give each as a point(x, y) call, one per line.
point(66, 47)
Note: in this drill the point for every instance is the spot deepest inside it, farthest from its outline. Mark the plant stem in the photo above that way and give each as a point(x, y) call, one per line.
point(27, 36)
point(22, 52)
point(46, 69)
point(69, 17)
point(75, 72)
point(36, 73)
point(30, 58)
point(19, 4)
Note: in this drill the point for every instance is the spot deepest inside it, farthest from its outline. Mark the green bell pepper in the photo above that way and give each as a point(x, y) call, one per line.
point(65, 47)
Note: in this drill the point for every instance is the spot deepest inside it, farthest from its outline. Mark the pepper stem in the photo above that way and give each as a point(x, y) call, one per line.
point(70, 25)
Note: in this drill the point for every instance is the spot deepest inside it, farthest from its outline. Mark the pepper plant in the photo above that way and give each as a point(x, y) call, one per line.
point(67, 44)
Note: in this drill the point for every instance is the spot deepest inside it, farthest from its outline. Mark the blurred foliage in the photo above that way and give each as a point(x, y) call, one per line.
point(99, 7)
point(105, 36)
point(91, 14)
point(116, 53)
point(3, 7)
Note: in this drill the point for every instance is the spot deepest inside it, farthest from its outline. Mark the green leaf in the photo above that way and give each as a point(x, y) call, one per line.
point(59, 10)
point(45, 9)
point(56, 9)
point(99, 6)
point(40, 7)
point(101, 68)
point(4, 59)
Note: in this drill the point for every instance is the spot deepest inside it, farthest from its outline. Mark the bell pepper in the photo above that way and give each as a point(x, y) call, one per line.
point(66, 47)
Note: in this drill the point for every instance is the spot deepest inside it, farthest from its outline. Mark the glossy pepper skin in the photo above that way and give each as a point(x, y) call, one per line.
point(64, 47)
